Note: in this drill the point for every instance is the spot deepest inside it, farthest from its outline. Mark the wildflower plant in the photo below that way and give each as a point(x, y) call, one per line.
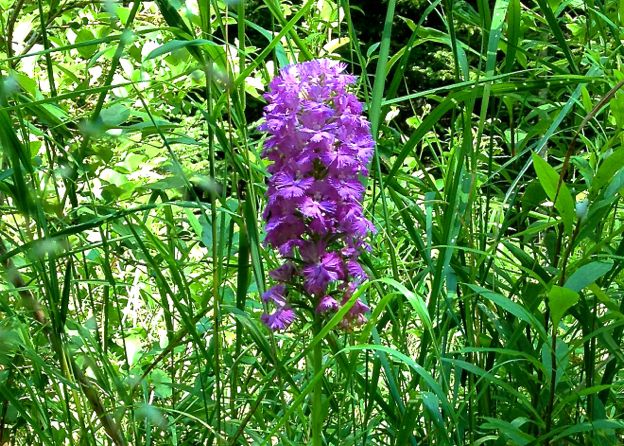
point(320, 145)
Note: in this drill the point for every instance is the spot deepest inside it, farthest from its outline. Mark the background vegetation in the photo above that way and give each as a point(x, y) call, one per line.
point(131, 190)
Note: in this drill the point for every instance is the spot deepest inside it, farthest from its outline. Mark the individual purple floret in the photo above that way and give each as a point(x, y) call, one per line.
point(320, 146)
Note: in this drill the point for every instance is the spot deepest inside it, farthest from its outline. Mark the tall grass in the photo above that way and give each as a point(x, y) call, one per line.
point(132, 189)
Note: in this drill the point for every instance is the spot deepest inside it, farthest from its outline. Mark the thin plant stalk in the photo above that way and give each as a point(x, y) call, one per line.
point(317, 395)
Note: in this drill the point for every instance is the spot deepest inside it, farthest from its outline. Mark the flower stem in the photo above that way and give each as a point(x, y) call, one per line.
point(317, 402)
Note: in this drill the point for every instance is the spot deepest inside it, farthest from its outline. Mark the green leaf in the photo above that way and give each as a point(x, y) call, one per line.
point(84, 36)
point(123, 14)
point(153, 415)
point(617, 108)
point(114, 177)
point(607, 170)
point(175, 45)
point(162, 383)
point(606, 300)
point(417, 368)
point(509, 430)
point(432, 407)
point(557, 192)
point(513, 31)
point(560, 300)
point(173, 182)
point(114, 115)
point(206, 234)
point(416, 301)
point(498, 18)
point(558, 34)
point(505, 303)
point(562, 357)
point(28, 84)
point(150, 128)
point(588, 274)
point(590, 427)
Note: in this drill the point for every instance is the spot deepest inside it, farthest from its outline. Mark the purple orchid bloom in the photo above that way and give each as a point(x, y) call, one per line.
point(319, 146)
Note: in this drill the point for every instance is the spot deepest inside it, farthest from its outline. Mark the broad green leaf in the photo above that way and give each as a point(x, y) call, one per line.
point(615, 186)
point(562, 356)
point(617, 108)
point(174, 182)
point(562, 198)
point(607, 170)
point(83, 36)
point(114, 115)
point(175, 45)
point(509, 430)
point(123, 14)
point(55, 113)
point(150, 128)
point(27, 83)
point(148, 413)
point(588, 274)
point(589, 427)
point(206, 234)
point(114, 177)
point(194, 222)
point(560, 300)
point(432, 406)
point(162, 383)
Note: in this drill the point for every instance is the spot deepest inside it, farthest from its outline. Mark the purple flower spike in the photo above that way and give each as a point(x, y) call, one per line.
point(280, 319)
point(319, 146)
point(358, 308)
point(327, 304)
point(276, 295)
point(284, 273)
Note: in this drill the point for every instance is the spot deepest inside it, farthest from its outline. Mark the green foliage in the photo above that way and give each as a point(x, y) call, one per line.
point(131, 196)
